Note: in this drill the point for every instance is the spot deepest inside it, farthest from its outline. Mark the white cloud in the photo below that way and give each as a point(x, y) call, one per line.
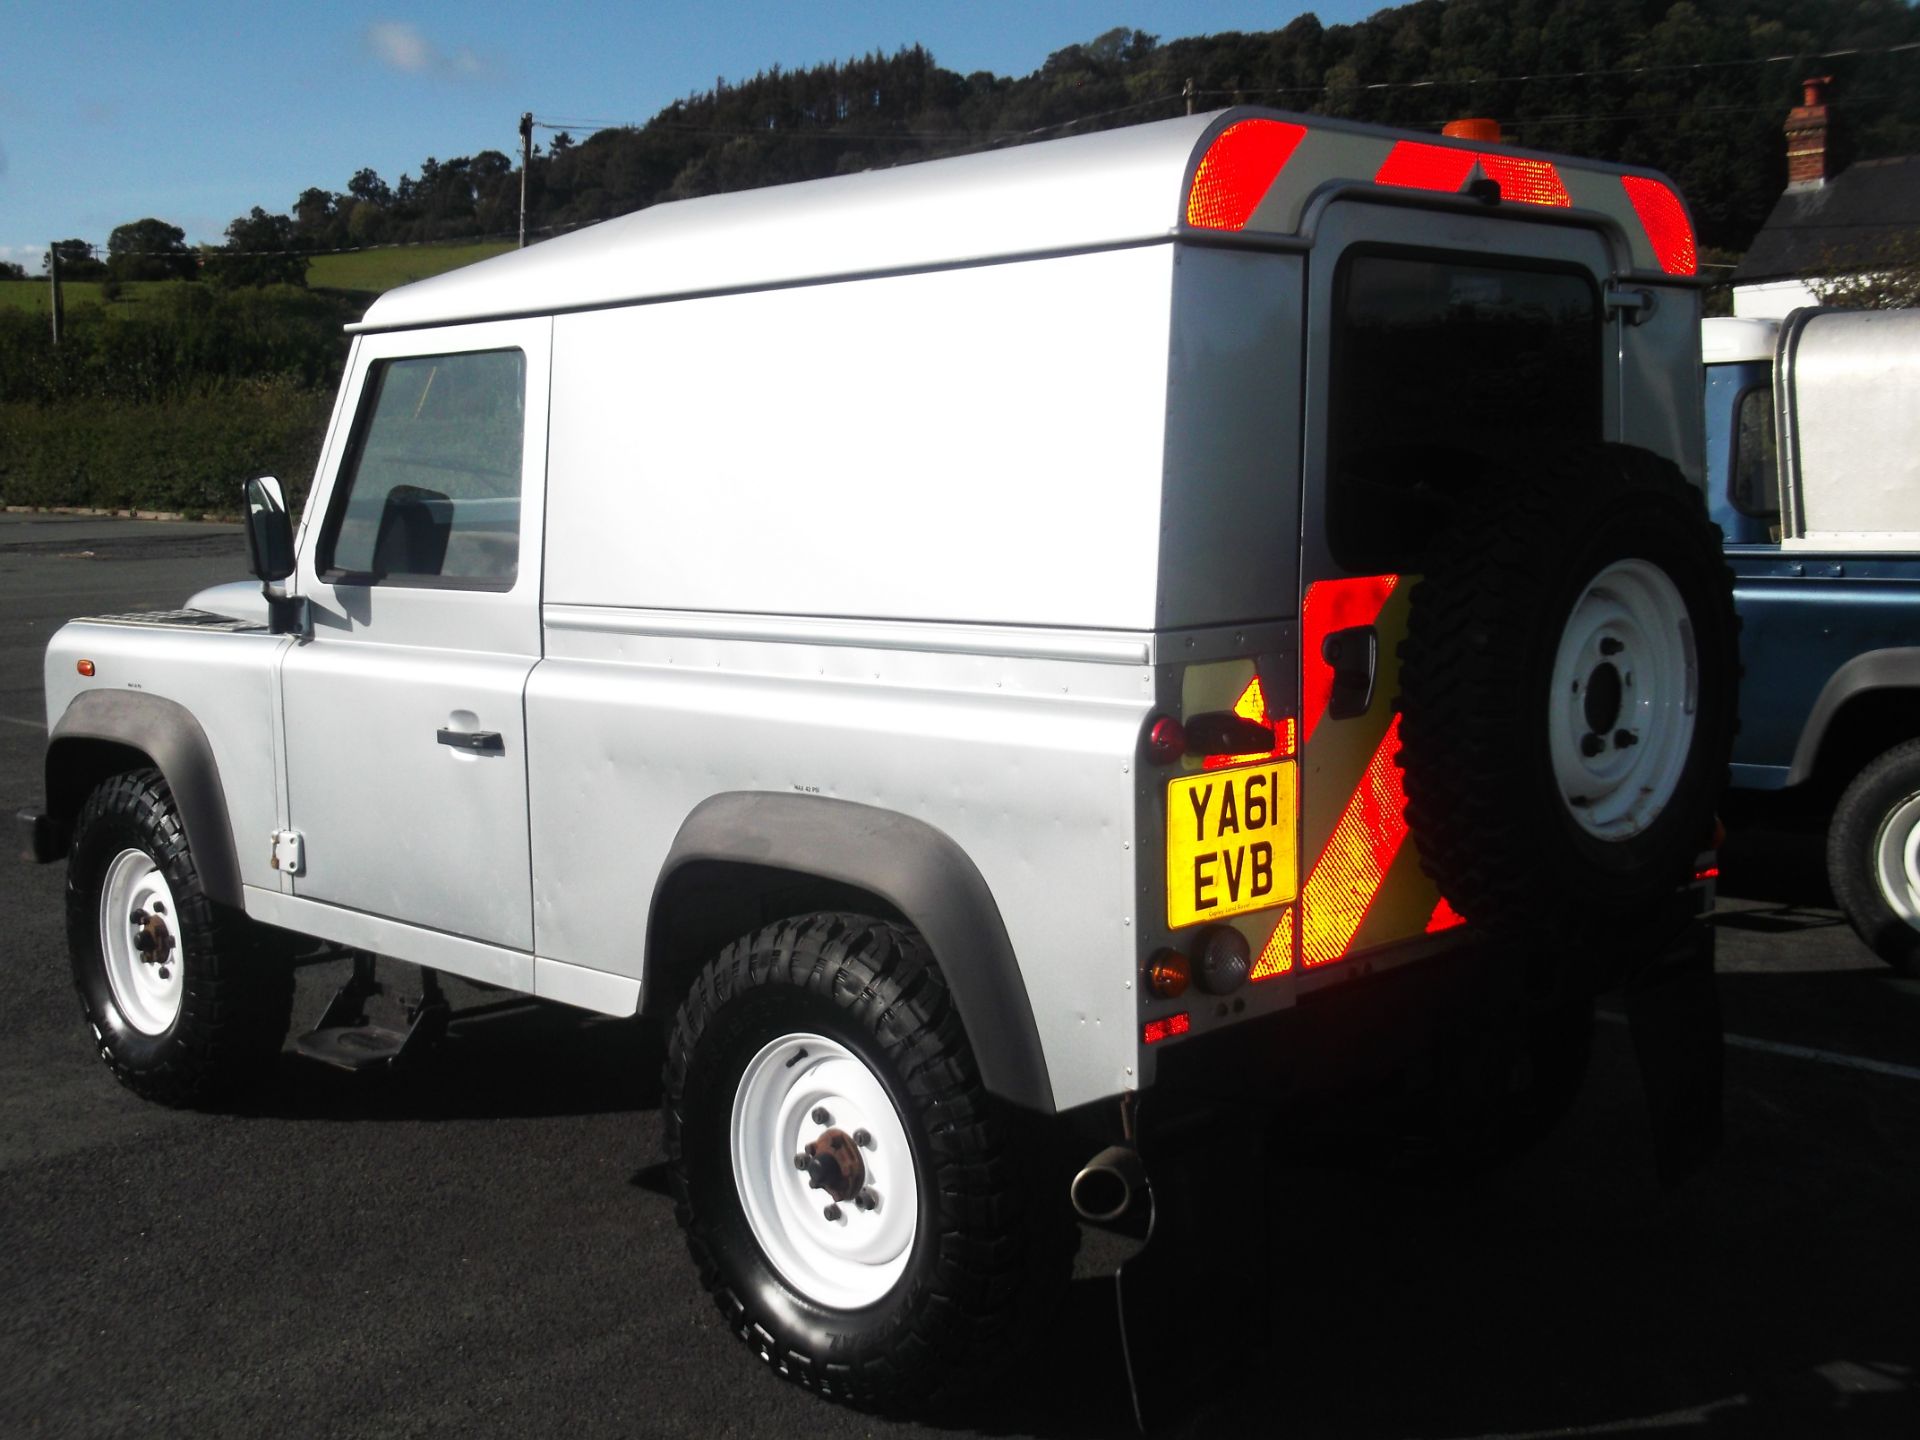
point(401, 46)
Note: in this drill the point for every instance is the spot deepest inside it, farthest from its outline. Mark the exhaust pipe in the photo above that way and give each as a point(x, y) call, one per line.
point(1105, 1188)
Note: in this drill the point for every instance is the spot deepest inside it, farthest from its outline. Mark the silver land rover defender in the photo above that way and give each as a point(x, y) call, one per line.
point(994, 654)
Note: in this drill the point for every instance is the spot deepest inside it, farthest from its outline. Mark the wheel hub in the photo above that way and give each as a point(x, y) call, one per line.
point(833, 1164)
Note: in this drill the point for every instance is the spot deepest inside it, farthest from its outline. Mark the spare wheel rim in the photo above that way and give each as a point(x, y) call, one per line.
point(1624, 700)
point(855, 1257)
point(1896, 860)
point(140, 942)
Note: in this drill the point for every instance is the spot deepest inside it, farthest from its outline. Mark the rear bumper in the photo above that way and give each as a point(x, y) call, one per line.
point(46, 839)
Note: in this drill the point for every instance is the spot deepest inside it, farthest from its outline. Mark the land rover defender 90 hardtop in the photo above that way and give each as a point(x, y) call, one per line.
point(967, 647)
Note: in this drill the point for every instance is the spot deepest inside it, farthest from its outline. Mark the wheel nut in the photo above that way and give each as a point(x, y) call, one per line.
point(832, 1212)
point(1623, 738)
point(800, 1161)
point(863, 1139)
point(820, 1115)
point(1591, 745)
point(866, 1200)
point(1610, 646)
point(139, 917)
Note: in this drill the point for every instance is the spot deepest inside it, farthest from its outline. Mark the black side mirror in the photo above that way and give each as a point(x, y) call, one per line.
point(269, 529)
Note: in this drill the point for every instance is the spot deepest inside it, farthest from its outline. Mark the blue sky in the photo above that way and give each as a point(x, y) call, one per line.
point(196, 112)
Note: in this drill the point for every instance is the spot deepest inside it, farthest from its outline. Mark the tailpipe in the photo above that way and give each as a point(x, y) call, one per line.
point(1107, 1185)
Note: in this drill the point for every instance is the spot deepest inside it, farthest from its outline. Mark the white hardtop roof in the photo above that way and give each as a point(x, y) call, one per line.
point(1118, 187)
point(1092, 190)
point(1727, 341)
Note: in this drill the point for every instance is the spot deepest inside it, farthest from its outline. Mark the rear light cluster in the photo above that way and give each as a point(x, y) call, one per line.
point(1166, 1027)
point(1221, 963)
point(1244, 160)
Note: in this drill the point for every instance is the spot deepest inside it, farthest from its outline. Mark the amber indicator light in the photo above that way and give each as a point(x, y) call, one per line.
point(85, 667)
point(1168, 974)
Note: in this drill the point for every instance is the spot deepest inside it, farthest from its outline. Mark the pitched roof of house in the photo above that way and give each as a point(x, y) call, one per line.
point(1848, 224)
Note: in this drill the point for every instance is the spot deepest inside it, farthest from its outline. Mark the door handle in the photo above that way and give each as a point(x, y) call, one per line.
point(474, 742)
point(1354, 655)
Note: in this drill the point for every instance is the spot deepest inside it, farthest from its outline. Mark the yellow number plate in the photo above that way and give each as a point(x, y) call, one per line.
point(1231, 843)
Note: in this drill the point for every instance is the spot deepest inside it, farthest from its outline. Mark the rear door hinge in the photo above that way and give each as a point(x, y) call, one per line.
point(289, 852)
point(1634, 305)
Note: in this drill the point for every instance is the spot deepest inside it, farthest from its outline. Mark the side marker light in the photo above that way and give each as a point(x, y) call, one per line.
point(1166, 741)
point(1664, 219)
point(85, 667)
point(1238, 169)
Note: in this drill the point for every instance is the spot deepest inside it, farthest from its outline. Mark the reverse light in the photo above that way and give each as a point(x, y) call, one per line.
point(1235, 174)
point(1166, 1027)
point(1664, 219)
point(1168, 974)
point(1223, 962)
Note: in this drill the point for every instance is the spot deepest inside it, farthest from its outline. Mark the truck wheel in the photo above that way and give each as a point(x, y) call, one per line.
point(1567, 688)
point(856, 1203)
point(1873, 856)
point(188, 1001)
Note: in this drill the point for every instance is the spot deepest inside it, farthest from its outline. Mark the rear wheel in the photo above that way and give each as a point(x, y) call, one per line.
point(1873, 856)
point(188, 1001)
point(859, 1207)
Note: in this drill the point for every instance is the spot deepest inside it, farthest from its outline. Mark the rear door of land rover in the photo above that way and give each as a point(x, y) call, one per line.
point(1441, 343)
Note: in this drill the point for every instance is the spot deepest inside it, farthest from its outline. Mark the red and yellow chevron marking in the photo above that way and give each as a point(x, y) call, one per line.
point(1365, 886)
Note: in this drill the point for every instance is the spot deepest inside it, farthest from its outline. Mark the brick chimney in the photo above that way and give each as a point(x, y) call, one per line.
point(1807, 136)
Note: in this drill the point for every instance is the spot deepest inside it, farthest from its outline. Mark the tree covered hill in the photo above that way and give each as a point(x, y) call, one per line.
point(1697, 88)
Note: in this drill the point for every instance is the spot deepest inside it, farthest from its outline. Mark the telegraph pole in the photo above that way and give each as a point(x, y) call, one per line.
point(53, 274)
point(526, 159)
point(1186, 92)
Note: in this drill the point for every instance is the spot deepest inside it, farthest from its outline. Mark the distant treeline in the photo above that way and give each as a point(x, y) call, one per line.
point(1670, 85)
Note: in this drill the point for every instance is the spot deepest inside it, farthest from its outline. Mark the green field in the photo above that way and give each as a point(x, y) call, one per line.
point(376, 270)
point(367, 271)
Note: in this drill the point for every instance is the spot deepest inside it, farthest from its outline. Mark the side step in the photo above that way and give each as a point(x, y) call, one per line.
point(347, 1039)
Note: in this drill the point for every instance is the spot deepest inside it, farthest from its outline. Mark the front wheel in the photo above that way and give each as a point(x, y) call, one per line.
point(188, 1001)
point(1873, 856)
point(857, 1204)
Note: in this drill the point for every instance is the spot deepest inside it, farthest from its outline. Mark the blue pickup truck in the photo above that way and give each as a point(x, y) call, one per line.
point(1813, 454)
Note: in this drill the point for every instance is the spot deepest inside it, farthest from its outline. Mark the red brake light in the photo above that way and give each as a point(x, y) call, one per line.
point(1166, 741)
point(1237, 170)
point(1664, 219)
point(1412, 165)
point(1166, 1026)
point(1531, 182)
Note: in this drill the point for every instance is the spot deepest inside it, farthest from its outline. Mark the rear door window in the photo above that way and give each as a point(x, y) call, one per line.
point(1447, 368)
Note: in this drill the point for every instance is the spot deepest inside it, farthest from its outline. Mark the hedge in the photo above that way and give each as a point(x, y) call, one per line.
point(188, 454)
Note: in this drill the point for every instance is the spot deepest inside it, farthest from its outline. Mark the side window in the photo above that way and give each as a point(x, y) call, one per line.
point(1754, 486)
point(430, 491)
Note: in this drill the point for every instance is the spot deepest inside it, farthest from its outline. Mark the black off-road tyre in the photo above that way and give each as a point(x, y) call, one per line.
point(236, 986)
point(980, 1267)
point(1878, 812)
point(1500, 589)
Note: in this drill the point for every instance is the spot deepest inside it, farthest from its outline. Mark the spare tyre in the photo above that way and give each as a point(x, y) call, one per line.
point(1567, 692)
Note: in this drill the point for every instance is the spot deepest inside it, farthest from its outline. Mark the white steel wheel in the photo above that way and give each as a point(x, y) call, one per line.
point(1896, 861)
point(1623, 700)
point(824, 1170)
point(140, 942)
